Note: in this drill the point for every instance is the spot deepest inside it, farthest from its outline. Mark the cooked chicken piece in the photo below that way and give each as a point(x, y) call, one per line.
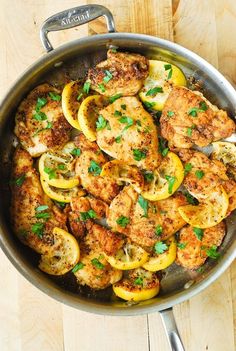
point(193, 120)
point(122, 73)
point(132, 136)
point(27, 196)
point(162, 215)
point(230, 188)
point(195, 252)
point(40, 124)
point(97, 273)
point(88, 167)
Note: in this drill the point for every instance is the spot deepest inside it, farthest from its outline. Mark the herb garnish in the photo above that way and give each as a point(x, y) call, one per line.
point(212, 252)
point(96, 263)
point(79, 96)
point(199, 233)
point(117, 113)
point(88, 215)
point(149, 105)
point(165, 151)
point(86, 87)
point(76, 152)
point(139, 154)
point(123, 221)
point(194, 110)
point(51, 172)
point(160, 247)
point(169, 67)
point(191, 200)
point(199, 174)
point(37, 228)
point(181, 246)
point(40, 103)
point(114, 98)
point(154, 91)
point(118, 139)
point(101, 123)
point(77, 267)
point(158, 230)
point(40, 116)
point(94, 168)
point(19, 181)
point(54, 96)
point(171, 181)
point(190, 130)
point(170, 113)
point(102, 88)
point(143, 203)
point(123, 106)
point(148, 176)
point(139, 281)
point(187, 168)
point(108, 76)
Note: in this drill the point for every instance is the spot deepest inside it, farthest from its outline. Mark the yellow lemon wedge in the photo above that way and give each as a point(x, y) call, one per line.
point(165, 180)
point(224, 152)
point(129, 256)
point(88, 115)
point(139, 285)
point(208, 213)
point(71, 99)
point(57, 170)
point(63, 256)
point(157, 86)
point(164, 260)
point(122, 172)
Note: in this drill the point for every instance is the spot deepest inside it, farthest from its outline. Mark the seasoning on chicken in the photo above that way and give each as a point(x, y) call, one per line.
point(189, 119)
point(132, 134)
point(196, 245)
point(88, 167)
point(33, 214)
point(122, 73)
point(145, 222)
point(40, 123)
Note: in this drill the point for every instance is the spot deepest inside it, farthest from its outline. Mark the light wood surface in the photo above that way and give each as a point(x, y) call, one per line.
point(32, 321)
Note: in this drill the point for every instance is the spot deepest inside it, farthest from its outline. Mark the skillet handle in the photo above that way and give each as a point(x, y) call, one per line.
point(171, 330)
point(74, 17)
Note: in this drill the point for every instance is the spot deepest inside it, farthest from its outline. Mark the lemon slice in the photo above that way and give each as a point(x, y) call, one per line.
point(122, 172)
point(68, 148)
point(89, 113)
point(70, 104)
point(57, 170)
point(63, 256)
point(225, 152)
point(209, 213)
point(164, 260)
point(61, 195)
point(140, 285)
point(128, 257)
point(166, 179)
point(157, 86)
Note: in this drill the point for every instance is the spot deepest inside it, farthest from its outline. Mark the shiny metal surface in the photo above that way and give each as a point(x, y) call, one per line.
point(171, 330)
point(75, 58)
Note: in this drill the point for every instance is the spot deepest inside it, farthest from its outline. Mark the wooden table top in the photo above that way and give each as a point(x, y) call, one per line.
point(30, 320)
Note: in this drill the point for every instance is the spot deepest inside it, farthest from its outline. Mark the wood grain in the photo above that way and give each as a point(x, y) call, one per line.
point(30, 319)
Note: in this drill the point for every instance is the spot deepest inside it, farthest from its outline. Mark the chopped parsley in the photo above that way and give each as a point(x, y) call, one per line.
point(60, 204)
point(40, 103)
point(187, 168)
point(79, 97)
point(199, 233)
point(148, 176)
point(61, 167)
point(51, 172)
point(181, 246)
point(158, 230)
point(170, 113)
point(191, 200)
point(96, 263)
point(40, 116)
point(123, 106)
point(102, 88)
point(118, 139)
point(41, 208)
point(169, 68)
point(101, 123)
point(108, 76)
point(127, 120)
point(143, 203)
point(88, 215)
point(54, 96)
point(77, 267)
point(43, 215)
point(149, 105)
point(76, 152)
point(86, 87)
point(123, 221)
point(139, 154)
point(160, 247)
point(190, 130)
point(212, 252)
point(37, 228)
point(171, 181)
point(117, 113)
point(94, 168)
point(139, 281)
point(114, 98)
point(162, 145)
point(165, 151)
point(194, 110)
point(19, 181)
point(199, 174)
point(154, 91)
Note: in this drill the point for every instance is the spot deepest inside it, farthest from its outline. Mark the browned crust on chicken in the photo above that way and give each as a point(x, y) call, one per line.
point(128, 74)
point(194, 254)
point(184, 130)
point(39, 136)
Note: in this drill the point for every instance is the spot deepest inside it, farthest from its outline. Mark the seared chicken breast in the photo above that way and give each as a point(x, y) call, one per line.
point(32, 225)
point(122, 73)
point(194, 251)
point(88, 167)
point(193, 120)
point(40, 123)
point(132, 136)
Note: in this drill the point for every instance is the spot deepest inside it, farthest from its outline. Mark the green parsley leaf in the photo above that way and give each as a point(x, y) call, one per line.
point(212, 252)
point(114, 98)
point(158, 230)
point(123, 106)
point(139, 154)
point(126, 119)
point(170, 113)
point(41, 208)
point(199, 174)
point(40, 116)
point(143, 203)
point(138, 122)
point(86, 87)
point(62, 205)
point(43, 215)
point(40, 103)
point(108, 76)
point(61, 167)
point(54, 96)
point(199, 233)
point(94, 168)
point(171, 181)
point(114, 50)
point(193, 111)
point(160, 247)
point(51, 172)
point(123, 221)
point(101, 123)
point(118, 139)
point(170, 73)
point(165, 151)
point(102, 88)
point(181, 246)
point(79, 96)
point(88, 215)
point(190, 130)
point(149, 105)
point(203, 106)
point(77, 267)
point(187, 168)
point(162, 144)
point(37, 228)
point(191, 200)
point(167, 66)
point(139, 281)
point(154, 91)
point(19, 181)
point(117, 113)
point(200, 269)
point(148, 176)
point(76, 152)
point(49, 125)
point(96, 263)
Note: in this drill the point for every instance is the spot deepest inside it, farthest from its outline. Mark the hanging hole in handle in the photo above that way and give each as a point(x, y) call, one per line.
point(72, 18)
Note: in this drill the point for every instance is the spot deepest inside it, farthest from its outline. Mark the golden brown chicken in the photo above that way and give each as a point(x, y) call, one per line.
point(33, 213)
point(88, 167)
point(122, 73)
point(195, 245)
point(188, 119)
point(145, 222)
point(132, 136)
point(40, 123)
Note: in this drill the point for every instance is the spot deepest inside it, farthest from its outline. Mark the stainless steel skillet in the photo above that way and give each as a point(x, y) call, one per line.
point(73, 59)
